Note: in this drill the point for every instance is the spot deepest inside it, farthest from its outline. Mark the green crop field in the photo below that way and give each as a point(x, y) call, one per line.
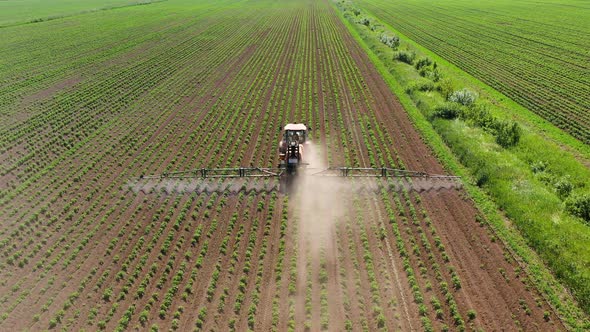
point(95, 94)
point(14, 12)
point(536, 54)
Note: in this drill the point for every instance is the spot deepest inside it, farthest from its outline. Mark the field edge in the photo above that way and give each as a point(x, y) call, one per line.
point(557, 295)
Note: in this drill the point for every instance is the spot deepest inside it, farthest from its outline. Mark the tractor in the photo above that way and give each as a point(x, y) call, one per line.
point(292, 163)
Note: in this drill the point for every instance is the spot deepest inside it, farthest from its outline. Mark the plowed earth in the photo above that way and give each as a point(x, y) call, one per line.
point(79, 250)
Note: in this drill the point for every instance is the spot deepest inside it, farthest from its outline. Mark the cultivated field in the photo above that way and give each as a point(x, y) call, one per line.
point(536, 54)
point(30, 11)
point(179, 85)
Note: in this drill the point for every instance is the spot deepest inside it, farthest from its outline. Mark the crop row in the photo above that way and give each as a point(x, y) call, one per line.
point(534, 62)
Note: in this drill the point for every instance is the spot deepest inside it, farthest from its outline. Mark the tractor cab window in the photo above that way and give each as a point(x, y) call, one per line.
point(299, 136)
point(295, 136)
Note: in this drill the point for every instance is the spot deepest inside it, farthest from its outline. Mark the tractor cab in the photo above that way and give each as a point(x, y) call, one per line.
point(291, 146)
point(295, 133)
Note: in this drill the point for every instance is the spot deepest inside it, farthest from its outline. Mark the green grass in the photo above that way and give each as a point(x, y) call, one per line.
point(562, 241)
point(537, 56)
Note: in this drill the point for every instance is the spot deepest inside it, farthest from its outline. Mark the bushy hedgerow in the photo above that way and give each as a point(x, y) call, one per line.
point(464, 97)
point(447, 111)
point(563, 187)
point(445, 87)
point(579, 206)
point(405, 56)
point(423, 62)
point(507, 133)
point(392, 41)
point(421, 85)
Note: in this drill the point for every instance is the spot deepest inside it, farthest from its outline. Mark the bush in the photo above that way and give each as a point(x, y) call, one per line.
point(390, 41)
point(430, 73)
point(405, 56)
point(426, 86)
point(482, 172)
point(563, 187)
point(447, 111)
point(479, 115)
point(445, 87)
point(424, 62)
point(507, 133)
point(365, 21)
point(538, 166)
point(421, 85)
point(579, 206)
point(464, 97)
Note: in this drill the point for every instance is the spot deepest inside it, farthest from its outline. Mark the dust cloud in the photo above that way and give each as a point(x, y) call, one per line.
point(320, 202)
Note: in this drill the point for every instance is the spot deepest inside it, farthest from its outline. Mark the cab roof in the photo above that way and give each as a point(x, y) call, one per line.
point(295, 126)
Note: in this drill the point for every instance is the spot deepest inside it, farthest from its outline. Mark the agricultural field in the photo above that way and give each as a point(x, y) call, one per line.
point(175, 85)
point(15, 12)
point(537, 55)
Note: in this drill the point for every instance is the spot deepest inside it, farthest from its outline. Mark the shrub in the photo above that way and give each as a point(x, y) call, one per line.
point(479, 115)
point(507, 133)
point(375, 27)
point(431, 74)
point(563, 187)
point(447, 111)
point(390, 41)
point(482, 173)
point(538, 166)
point(365, 21)
point(405, 56)
point(423, 62)
point(471, 314)
point(464, 97)
point(579, 206)
point(445, 87)
point(421, 85)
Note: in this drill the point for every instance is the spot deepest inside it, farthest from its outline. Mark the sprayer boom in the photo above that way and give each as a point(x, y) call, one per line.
point(383, 172)
point(204, 173)
point(257, 172)
point(292, 164)
point(287, 174)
